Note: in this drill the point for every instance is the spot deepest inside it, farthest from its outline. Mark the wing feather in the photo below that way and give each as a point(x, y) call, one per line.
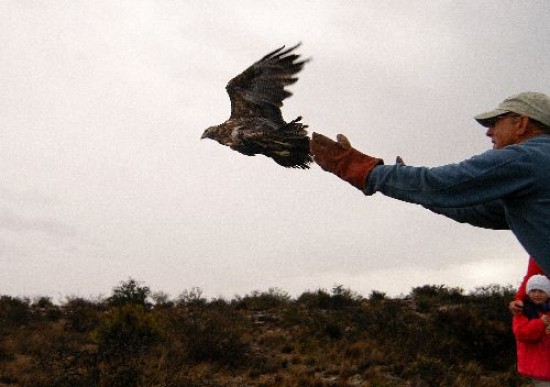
point(259, 91)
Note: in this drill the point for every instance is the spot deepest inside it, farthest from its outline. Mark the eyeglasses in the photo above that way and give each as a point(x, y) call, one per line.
point(493, 121)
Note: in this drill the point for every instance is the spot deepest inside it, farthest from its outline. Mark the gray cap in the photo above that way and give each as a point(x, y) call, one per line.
point(531, 104)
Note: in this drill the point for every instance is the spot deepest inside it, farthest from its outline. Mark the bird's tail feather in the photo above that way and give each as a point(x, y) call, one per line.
point(292, 150)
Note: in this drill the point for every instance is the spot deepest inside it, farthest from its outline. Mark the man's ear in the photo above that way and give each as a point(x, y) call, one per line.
point(522, 125)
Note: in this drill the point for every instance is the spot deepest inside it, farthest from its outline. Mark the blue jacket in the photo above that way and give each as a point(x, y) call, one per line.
point(508, 188)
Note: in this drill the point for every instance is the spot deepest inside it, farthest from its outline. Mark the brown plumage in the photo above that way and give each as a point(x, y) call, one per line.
point(256, 125)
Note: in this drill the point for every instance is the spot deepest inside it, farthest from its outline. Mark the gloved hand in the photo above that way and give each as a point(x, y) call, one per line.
point(341, 159)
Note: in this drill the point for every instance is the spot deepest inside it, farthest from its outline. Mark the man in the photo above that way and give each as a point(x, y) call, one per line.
point(507, 187)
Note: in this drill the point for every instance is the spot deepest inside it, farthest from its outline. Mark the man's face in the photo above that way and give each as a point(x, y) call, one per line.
point(503, 130)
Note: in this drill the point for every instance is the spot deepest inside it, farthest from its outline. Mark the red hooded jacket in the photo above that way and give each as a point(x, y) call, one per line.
point(533, 347)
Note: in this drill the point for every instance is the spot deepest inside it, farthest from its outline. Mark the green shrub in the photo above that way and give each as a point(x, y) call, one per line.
point(130, 292)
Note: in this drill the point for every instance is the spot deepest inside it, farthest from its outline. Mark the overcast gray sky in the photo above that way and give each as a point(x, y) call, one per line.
point(103, 175)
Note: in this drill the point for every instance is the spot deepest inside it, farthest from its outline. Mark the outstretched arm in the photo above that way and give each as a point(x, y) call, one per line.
point(486, 215)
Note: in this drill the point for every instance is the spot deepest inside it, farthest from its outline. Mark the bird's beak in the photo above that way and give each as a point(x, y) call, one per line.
point(206, 134)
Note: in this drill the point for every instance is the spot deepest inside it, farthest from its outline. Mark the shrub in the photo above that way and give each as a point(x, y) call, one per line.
point(377, 296)
point(258, 301)
point(192, 297)
point(82, 315)
point(429, 297)
point(44, 308)
point(129, 292)
point(124, 337)
point(215, 335)
point(14, 311)
point(129, 329)
point(339, 299)
point(318, 300)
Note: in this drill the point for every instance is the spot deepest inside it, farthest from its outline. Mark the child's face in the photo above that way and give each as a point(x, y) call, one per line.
point(538, 296)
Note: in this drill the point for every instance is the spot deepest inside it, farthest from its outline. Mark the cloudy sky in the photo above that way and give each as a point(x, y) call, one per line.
point(103, 176)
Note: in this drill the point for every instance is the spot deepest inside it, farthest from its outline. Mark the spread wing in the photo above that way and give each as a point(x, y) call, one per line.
point(259, 91)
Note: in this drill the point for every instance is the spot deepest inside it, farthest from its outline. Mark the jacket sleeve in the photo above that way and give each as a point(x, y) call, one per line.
point(527, 330)
point(482, 179)
point(489, 215)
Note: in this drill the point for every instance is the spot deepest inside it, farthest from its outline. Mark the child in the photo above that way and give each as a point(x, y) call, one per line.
point(532, 329)
point(516, 306)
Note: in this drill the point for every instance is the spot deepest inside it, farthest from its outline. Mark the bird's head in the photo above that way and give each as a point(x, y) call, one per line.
point(217, 133)
point(210, 133)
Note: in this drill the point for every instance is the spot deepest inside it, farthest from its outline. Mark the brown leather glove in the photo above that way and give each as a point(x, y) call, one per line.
point(341, 159)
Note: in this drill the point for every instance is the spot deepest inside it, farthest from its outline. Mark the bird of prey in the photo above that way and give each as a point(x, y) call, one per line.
point(256, 125)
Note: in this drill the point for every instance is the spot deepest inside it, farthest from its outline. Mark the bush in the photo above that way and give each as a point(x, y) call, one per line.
point(129, 330)
point(258, 301)
point(215, 335)
point(428, 297)
point(82, 315)
point(129, 292)
point(14, 311)
point(340, 298)
point(125, 337)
